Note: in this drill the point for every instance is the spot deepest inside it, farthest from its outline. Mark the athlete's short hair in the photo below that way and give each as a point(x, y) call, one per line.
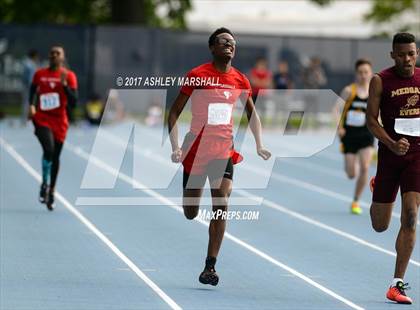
point(403, 38)
point(361, 62)
point(212, 38)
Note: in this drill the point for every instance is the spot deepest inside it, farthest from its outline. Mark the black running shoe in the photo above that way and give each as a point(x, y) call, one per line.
point(209, 275)
point(50, 200)
point(43, 193)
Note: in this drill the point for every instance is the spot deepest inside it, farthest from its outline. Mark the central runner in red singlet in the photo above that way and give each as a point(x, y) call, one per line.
point(395, 93)
point(207, 151)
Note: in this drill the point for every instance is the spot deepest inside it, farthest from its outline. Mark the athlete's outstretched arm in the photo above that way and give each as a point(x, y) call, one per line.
point(32, 94)
point(174, 113)
point(399, 147)
point(72, 95)
point(70, 90)
point(339, 106)
point(255, 125)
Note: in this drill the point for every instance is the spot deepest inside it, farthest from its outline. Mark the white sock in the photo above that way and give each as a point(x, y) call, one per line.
point(394, 282)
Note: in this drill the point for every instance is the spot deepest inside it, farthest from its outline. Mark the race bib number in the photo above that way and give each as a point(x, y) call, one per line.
point(407, 126)
point(219, 113)
point(49, 101)
point(355, 118)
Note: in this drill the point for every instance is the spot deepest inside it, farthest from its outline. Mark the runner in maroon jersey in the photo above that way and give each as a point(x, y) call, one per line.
point(51, 90)
point(395, 93)
point(207, 151)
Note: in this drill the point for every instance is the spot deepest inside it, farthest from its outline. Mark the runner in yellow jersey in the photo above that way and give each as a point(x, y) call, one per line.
point(356, 140)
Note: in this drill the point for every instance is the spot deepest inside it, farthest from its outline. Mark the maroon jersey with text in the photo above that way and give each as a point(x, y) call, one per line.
point(399, 102)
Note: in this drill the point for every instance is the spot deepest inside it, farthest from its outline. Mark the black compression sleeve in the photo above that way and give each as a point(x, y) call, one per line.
point(32, 91)
point(72, 95)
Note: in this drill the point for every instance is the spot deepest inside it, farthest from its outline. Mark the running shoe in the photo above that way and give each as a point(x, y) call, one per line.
point(209, 276)
point(355, 208)
point(397, 293)
point(43, 193)
point(50, 200)
point(372, 184)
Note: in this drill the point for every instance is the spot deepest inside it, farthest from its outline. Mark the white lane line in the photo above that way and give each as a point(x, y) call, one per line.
point(244, 148)
point(150, 201)
point(336, 231)
point(309, 186)
point(283, 209)
point(25, 165)
point(81, 153)
point(303, 163)
point(315, 167)
point(281, 178)
point(326, 153)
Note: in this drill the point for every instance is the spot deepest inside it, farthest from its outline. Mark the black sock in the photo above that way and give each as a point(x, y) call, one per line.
point(210, 262)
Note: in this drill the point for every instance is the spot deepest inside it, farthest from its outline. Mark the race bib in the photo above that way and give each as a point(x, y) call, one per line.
point(49, 101)
point(219, 113)
point(407, 126)
point(355, 118)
